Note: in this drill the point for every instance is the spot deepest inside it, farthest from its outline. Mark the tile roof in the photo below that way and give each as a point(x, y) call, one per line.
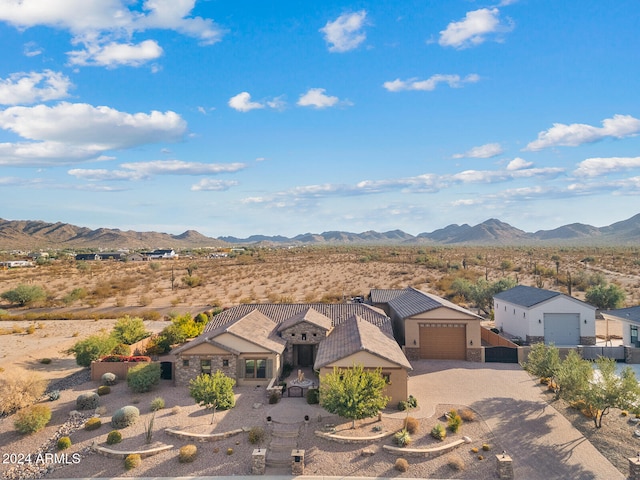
point(310, 315)
point(525, 296)
point(631, 314)
point(280, 312)
point(413, 302)
point(357, 335)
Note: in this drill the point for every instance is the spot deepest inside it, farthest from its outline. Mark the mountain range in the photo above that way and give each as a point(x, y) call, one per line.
point(28, 234)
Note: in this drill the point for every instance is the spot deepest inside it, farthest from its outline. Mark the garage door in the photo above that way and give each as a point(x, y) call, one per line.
point(446, 341)
point(562, 328)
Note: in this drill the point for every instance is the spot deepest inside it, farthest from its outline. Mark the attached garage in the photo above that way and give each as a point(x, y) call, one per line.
point(443, 341)
point(562, 328)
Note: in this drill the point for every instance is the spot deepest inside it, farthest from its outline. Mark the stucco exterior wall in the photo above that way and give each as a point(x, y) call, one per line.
point(441, 315)
point(397, 389)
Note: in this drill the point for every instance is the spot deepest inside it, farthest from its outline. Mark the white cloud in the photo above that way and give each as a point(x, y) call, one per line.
point(575, 134)
point(71, 132)
point(32, 87)
point(209, 185)
point(143, 170)
point(116, 54)
point(454, 81)
point(594, 167)
point(473, 29)
point(494, 176)
point(97, 24)
point(32, 49)
point(488, 150)
point(518, 164)
point(315, 97)
point(345, 33)
point(242, 102)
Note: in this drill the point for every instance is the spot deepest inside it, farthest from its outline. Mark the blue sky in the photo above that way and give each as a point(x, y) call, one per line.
point(246, 117)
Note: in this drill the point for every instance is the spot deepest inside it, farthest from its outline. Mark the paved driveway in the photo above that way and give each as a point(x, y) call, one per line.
point(542, 443)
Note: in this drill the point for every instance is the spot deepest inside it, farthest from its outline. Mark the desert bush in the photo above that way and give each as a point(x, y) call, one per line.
point(401, 465)
point(412, 402)
point(256, 435)
point(24, 294)
point(125, 417)
point(114, 437)
point(104, 390)
point(486, 447)
point(157, 404)
point(121, 349)
point(143, 377)
point(438, 432)
point(45, 361)
point(32, 419)
point(313, 396)
point(92, 348)
point(93, 423)
point(87, 401)
point(132, 461)
point(63, 443)
point(402, 405)
point(467, 415)
point(176, 410)
point(411, 425)
point(187, 453)
point(456, 463)
point(20, 392)
point(109, 379)
point(402, 438)
point(53, 395)
point(229, 451)
point(454, 421)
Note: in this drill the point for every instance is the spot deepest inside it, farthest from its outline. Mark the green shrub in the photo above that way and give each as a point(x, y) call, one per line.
point(187, 454)
point(486, 447)
point(401, 465)
point(92, 348)
point(313, 396)
point(438, 432)
point(53, 395)
point(129, 330)
point(45, 361)
point(114, 437)
point(109, 379)
point(87, 401)
point(229, 451)
point(93, 423)
point(64, 443)
point(132, 461)
point(157, 404)
point(454, 421)
point(402, 405)
point(411, 425)
point(32, 419)
point(412, 401)
point(121, 349)
point(143, 377)
point(402, 438)
point(125, 417)
point(256, 435)
point(104, 390)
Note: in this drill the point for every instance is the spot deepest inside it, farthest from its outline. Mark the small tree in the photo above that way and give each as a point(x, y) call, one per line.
point(129, 330)
point(24, 294)
point(605, 297)
point(573, 377)
point(353, 393)
point(543, 361)
point(213, 391)
point(92, 348)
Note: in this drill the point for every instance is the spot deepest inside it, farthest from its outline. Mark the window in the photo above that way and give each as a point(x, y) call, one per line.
point(387, 378)
point(255, 368)
point(205, 366)
point(185, 363)
point(225, 362)
point(304, 336)
point(634, 335)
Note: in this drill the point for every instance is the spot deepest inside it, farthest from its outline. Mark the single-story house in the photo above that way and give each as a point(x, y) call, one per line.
point(538, 315)
point(630, 319)
point(430, 327)
point(161, 254)
point(85, 257)
point(251, 343)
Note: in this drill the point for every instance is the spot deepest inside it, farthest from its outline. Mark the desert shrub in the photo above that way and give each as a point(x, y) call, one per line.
point(143, 377)
point(20, 392)
point(486, 447)
point(32, 419)
point(412, 402)
point(456, 463)
point(104, 390)
point(129, 330)
point(125, 417)
point(114, 437)
point(438, 432)
point(402, 405)
point(24, 294)
point(402, 438)
point(187, 453)
point(92, 348)
point(121, 349)
point(45, 361)
point(63, 443)
point(132, 461)
point(467, 415)
point(157, 404)
point(454, 421)
point(109, 378)
point(229, 451)
point(53, 395)
point(93, 423)
point(475, 450)
point(411, 425)
point(401, 465)
point(274, 397)
point(87, 401)
point(256, 435)
point(313, 396)
point(176, 410)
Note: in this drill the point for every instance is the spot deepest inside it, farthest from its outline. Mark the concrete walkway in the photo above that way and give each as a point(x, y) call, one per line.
point(542, 442)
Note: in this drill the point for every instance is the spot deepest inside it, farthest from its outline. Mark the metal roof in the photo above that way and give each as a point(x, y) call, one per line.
point(631, 314)
point(525, 296)
point(413, 302)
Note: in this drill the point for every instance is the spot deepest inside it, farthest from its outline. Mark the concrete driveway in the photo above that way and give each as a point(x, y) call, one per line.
point(542, 443)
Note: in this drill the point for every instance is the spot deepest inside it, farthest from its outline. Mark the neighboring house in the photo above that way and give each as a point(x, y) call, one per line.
point(630, 319)
point(133, 257)
point(538, 315)
point(251, 343)
point(161, 254)
point(16, 264)
point(430, 327)
point(84, 257)
point(111, 255)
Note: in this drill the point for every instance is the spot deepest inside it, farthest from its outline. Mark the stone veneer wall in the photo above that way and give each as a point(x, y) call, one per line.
point(411, 353)
point(532, 339)
point(184, 374)
point(587, 340)
point(293, 336)
point(474, 354)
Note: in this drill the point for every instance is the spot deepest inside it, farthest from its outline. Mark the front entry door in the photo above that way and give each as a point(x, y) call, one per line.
point(305, 355)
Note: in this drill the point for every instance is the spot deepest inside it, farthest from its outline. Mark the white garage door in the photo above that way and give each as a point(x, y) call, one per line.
point(562, 328)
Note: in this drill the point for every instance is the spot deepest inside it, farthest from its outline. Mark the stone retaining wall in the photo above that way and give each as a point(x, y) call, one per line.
point(110, 453)
point(426, 452)
point(204, 437)
point(345, 439)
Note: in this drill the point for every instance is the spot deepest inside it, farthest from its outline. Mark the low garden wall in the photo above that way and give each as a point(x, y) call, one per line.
point(120, 369)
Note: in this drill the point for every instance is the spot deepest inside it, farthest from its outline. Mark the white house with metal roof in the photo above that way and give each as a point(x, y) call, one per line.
point(630, 319)
point(538, 315)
